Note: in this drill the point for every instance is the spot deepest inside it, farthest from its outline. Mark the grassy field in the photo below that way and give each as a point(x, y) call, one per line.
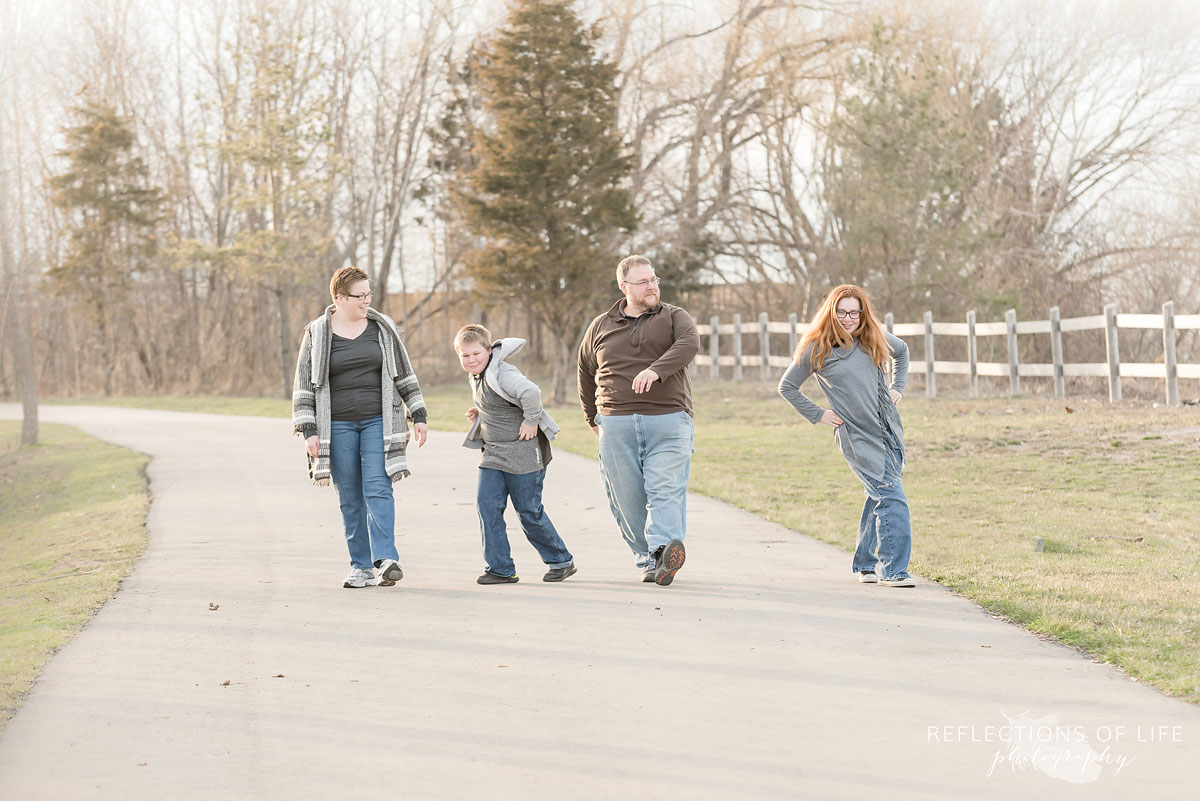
point(1113, 491)
point(73, 524)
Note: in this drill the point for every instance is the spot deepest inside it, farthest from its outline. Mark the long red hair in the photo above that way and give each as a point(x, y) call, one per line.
point(825, 333)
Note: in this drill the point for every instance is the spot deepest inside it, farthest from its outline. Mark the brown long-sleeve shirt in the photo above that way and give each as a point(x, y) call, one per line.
point(616, 348)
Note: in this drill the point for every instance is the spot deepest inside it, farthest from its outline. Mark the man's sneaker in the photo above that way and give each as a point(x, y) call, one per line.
point(559, 573)
point(389, 572)
point(667, 561)
point(899, 581)
point(359, 578)
point(491, 578)
point(868, 577)
point(648, 576)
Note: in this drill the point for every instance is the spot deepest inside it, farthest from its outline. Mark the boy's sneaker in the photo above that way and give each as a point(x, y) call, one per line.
point(899, 581)
point(491, 578)
point(667, 562)
point(559, 573)
point(358, 578)
point(648, 575)
point(389, 572)
point(868, 577)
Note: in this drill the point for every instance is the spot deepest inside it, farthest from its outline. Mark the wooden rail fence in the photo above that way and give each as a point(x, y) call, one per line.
point(1111, 322)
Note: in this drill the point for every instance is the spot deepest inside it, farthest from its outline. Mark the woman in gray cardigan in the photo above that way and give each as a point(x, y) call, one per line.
point(847, 350)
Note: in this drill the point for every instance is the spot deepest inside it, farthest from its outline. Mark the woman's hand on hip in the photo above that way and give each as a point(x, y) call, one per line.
point(472, 413)
point(831, 419)
point(421, 433)
point(526, 431)
point(313, 445)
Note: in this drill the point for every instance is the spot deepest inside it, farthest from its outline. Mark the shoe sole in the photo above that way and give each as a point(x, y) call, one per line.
point(505, 580)
point(348, 586)
point(672, 559)
point(897, 583)
point(571, 572)
point(390, 576)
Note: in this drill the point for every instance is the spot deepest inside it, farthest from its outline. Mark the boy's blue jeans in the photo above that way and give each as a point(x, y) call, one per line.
point(884, 530)
point(491, 499)
point(364, 490)
point(645, 461)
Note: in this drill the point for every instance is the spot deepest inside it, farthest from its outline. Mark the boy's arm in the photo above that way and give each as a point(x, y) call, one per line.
point(528, 394)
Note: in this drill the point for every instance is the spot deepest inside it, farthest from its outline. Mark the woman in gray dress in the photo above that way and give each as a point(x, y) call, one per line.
point(847, 350)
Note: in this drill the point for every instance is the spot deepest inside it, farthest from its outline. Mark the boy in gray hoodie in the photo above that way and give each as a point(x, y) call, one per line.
point(512, 432)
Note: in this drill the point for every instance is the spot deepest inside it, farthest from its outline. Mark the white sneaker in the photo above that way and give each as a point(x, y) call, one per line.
point(358, 578)
point(899, 581)
point(389, 572)
point(868, 577)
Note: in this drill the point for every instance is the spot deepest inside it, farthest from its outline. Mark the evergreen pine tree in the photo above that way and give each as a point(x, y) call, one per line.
point(111, 215)
point(547, 194)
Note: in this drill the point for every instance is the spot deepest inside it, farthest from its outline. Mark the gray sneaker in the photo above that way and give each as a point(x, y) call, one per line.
point(389, 572)
point(358, 578)
point(904, 580)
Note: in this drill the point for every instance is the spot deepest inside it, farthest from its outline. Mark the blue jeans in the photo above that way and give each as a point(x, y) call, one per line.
point(645, 460)
point(491, 499)
point(364, 490)
point(884, 530)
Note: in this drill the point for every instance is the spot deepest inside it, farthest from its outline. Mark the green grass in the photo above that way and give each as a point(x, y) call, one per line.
point(1113, 491)
point(73, 525)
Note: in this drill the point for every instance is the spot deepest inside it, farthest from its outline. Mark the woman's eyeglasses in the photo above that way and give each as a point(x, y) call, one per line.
point(853, 315)
point(363, 296)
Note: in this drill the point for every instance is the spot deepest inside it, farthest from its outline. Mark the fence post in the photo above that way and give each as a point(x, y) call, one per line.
point(973, 354)
point(792, 323)
point(889, 322)
point(1056, 353)
point(930, 378)
point(1014, 375)
point(737, 347)
point(1169, 353)
point(1114, 353)
point(714, 348)
point(764, 339)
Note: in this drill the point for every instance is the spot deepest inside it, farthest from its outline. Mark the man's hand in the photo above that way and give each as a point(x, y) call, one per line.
point(421, 432)
point(643, 380)
point(526, 431)
point(472, 413)
point(313, 445)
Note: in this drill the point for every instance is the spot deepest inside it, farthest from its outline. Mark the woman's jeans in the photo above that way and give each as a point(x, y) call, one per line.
point(884, 530)
point(645, 460)
point(525, 489)
point(356, 462)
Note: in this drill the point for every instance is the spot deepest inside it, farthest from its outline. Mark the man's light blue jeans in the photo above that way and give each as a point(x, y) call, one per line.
point(364, 490)
point(645, 460)
point(884, 530)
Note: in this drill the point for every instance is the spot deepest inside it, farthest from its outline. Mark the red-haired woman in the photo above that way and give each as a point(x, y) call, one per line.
point(847, 350)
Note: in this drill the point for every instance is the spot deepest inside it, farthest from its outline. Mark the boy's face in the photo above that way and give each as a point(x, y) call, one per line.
point(474, 357)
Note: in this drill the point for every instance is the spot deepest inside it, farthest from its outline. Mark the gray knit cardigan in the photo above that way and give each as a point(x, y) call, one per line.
point(311, 401)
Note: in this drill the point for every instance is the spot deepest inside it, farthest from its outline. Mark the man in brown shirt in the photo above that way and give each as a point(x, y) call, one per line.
point(635, 393)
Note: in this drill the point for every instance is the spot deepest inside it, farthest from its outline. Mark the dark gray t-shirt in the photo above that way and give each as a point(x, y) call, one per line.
point(499, 424)
point(356, 375)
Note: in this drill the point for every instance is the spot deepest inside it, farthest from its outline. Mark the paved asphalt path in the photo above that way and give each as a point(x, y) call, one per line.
point(764, 672)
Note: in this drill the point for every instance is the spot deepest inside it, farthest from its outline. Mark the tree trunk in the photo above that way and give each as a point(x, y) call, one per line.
point(285, 340)
point(22, 355)
point(562, 366)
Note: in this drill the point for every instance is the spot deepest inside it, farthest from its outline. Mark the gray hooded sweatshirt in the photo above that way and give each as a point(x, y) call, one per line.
point(506, 399)
point(857, 391)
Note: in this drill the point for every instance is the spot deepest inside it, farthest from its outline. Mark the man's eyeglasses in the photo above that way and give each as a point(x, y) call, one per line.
point(655, 280)
point(363, 296)
point(853, 315)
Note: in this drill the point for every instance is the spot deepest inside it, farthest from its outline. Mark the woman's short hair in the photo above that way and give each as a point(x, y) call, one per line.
point(472, 333)
point(345, 278)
